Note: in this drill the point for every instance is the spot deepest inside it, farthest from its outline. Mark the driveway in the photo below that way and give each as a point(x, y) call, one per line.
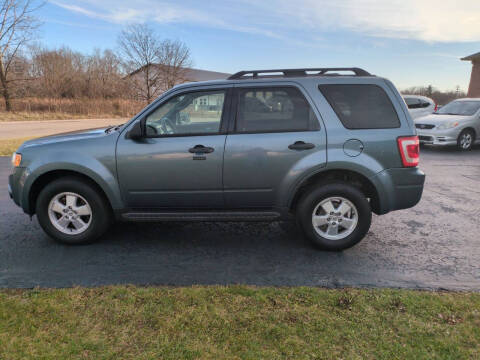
point(24, 129)
point(434, 245)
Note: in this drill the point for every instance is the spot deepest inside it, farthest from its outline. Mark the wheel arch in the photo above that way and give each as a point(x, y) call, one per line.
point(472, 129)
point(41, 181)
point(355, 178)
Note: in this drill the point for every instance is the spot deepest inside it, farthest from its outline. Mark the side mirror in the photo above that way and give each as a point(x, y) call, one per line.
point(136, 132)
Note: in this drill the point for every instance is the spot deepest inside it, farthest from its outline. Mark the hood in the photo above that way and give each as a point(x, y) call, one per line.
point(439, 119)
point(68, 136)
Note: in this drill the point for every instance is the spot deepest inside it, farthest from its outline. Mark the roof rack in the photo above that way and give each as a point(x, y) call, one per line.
point(297, 72)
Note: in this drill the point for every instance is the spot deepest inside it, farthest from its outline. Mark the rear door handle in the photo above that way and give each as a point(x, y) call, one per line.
point(200, 149)
point(300, 145)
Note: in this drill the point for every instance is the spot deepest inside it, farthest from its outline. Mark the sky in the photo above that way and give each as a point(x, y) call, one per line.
point(411, 42)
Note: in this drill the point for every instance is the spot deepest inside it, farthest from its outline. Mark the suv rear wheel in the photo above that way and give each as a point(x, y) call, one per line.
point(72, 211)
point(334, 216)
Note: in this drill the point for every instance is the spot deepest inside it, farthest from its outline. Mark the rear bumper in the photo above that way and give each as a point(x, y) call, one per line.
point(402, 188)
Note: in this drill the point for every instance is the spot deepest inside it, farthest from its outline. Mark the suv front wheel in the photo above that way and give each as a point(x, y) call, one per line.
point(72, 211)
point(334, 216)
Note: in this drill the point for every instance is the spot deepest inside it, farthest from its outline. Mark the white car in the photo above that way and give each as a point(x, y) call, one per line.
point(419, 105)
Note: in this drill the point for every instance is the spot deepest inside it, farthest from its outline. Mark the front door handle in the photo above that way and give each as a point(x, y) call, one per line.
point(200, 149)
point(300, 145)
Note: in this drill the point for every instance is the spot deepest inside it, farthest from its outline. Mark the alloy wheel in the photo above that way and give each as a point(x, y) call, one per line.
point(70, 213)
point(335, 218)
point(466, 140)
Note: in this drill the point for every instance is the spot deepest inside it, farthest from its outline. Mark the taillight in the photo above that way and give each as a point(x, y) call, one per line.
point(436, 108)
point(409, 150)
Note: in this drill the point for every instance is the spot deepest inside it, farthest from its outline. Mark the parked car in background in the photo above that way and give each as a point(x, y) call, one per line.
point(419, 105)
point(457, 123)
point(308, 145)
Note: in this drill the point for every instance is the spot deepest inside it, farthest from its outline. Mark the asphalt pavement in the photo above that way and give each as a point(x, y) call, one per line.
point(435, 245)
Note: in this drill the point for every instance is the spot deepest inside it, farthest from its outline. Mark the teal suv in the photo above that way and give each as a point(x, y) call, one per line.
point(324, 147)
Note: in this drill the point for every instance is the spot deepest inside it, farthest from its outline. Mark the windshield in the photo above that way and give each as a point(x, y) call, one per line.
point(466, 108)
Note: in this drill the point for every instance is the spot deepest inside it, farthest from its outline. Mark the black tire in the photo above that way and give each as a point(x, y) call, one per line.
point(101, 213)
point(467, 133)
point(315, 195)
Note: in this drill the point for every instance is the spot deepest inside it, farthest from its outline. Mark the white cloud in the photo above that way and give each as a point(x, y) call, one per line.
point(426, 20)
point(80, 10)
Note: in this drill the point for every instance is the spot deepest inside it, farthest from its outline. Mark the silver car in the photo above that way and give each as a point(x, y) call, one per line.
point(457, 123)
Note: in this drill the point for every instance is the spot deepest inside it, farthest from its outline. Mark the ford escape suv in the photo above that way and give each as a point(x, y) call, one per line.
point(325, 147)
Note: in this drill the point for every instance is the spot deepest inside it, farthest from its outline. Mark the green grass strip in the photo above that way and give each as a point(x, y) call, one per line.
point(237, 322)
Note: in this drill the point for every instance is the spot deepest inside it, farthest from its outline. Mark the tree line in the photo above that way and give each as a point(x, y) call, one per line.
point(440, 97)
point(140, 68)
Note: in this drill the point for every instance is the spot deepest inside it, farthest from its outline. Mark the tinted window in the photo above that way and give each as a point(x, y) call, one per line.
point(274, 109)
point(191, 113)
point(361, 106)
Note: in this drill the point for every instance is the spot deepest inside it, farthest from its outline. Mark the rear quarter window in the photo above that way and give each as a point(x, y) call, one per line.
point(361, 106)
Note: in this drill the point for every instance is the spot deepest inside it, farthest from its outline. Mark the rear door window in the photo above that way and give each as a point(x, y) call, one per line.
point(361, 106)
point(274, 109)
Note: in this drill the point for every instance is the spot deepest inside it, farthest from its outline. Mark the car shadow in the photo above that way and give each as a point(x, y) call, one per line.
point(210, 234)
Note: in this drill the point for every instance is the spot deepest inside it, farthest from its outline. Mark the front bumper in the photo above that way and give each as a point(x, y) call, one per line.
point(402, 188)
point(10, 193)
point(15, 185)
point(435, 137)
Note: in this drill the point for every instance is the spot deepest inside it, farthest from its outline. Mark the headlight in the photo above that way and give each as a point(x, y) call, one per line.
point(16, 159)
point(447, 125)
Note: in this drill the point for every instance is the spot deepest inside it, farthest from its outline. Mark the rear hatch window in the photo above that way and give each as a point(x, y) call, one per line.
point(361, 106)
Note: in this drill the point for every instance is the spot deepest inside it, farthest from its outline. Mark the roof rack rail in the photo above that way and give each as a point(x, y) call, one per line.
point(297, 72)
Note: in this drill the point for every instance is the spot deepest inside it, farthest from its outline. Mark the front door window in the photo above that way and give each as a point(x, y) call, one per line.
point(194, 113)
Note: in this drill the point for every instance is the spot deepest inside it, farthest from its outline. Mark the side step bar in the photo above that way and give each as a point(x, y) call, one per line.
point(202, 216)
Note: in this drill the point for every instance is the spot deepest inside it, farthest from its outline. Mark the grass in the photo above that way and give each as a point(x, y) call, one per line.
point(25, 109)
point(40, 116)
point(237, 322)
point(8, 146)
